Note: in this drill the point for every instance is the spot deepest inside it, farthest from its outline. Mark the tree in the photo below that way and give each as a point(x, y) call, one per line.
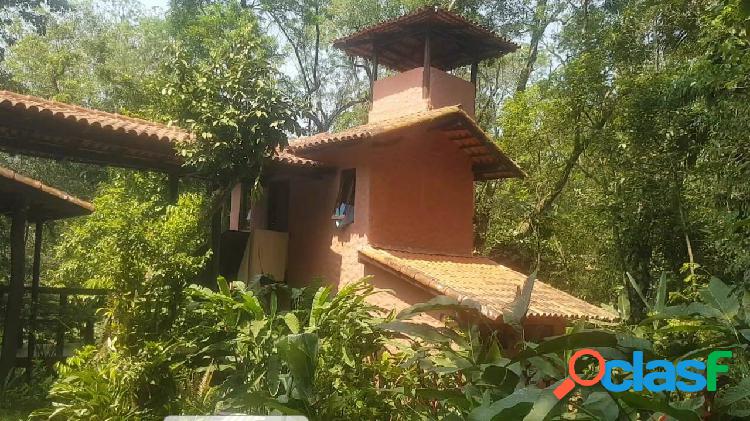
point(19, 16)
point(228, 98)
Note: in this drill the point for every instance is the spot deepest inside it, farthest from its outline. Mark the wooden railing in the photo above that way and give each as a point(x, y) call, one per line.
point(57, 313)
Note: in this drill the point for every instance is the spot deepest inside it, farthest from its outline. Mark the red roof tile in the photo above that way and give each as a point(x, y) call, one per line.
point(399, 42)
point(489, 162)
point(480, 280)
point(94, 118)
point(45, 202)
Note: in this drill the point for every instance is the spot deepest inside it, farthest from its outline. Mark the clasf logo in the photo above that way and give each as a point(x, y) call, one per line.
point(659, 375)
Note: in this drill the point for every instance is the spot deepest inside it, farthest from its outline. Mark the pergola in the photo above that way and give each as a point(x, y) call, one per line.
point(51, 129)
point(25, 201)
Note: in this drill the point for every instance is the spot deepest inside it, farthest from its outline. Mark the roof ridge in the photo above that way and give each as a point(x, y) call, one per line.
point(424, 9)
point(58, 107)
point(374, 128)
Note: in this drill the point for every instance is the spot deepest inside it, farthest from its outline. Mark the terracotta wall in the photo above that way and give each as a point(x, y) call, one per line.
point(402, 94)
point(317, 249)
point(395, 94)
point(421, 195)
point(446, 90)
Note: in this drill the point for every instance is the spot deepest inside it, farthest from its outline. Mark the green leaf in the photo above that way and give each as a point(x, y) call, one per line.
point(259, 399)
point(300, 352)
point(545, 404)
point(318, 305)
point(420, 330)
point(581, 339)
point(292, 322)
point(602, 405)
point(439, 303)
point(654, 404)
point(223, 286)
point(623, 305)
point(719, 296)
point(500, 377)
point(514, 406)
point(273, 373)
point(683, 311)
point(251, 304)
point(734, 394)
point(661, 293)
point(638, 291)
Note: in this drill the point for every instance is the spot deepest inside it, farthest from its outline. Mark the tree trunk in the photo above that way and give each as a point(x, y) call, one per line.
point(544, 205)
point(537, 32)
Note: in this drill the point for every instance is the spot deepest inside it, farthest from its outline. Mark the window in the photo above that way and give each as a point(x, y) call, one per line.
point(343, 211)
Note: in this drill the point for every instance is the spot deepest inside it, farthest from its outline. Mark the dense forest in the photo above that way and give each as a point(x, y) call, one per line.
point(630, 117)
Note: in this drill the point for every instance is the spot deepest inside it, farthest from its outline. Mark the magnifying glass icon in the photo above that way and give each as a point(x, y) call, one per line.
point(573, 378)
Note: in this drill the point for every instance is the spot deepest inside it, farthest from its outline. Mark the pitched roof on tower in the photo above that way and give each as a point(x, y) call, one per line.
point(448, 123)
point(399, 43)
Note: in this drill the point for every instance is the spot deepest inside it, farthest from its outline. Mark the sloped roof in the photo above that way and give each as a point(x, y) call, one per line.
point(36, 126)
point(488, 161)
point(399, 43)
point(482, 281)
point(285, 157)
point(40, 127)
point(44, 202)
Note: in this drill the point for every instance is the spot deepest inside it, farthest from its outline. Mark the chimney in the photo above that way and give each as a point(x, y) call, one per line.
point(422, 47)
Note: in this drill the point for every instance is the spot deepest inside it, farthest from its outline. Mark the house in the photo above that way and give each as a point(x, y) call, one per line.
point(393, 198)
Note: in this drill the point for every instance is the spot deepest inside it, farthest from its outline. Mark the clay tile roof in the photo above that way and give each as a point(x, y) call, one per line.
point(478, 280)
point(284, 157)
point(94, 118)
point(45, 202)
point(489, 162)
point(399, 43)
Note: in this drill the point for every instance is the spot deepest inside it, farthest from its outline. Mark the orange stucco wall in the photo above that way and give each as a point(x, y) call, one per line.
point(405, 188)
point(421, 195)
point(317, 249)
point(402, 94)
point(395, 94)
point(446, 89)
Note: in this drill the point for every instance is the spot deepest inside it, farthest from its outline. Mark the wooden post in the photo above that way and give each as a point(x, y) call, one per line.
point(474, 70)
point(15, 290)
point(60, 338)
point(174, 188)
point(88, 332)
point(426, 65)
point(215, 245)
point(374, 72)
point(235, 207)
point(36, 270)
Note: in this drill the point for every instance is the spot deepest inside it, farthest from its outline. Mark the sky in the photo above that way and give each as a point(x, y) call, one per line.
point(155, 3)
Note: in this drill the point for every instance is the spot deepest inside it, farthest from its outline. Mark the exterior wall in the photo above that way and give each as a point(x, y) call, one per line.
point(422, 195)
point(395, 94)
point(317, 249)
point(446, 89)
point(402, 94)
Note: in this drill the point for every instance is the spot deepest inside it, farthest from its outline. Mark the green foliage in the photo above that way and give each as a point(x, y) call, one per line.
point(305, 351)
point(104, 56)
point(229, 100)
point(633, 148)
point(143, 249)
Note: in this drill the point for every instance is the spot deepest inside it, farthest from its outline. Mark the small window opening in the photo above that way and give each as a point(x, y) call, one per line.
point(343, 212)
